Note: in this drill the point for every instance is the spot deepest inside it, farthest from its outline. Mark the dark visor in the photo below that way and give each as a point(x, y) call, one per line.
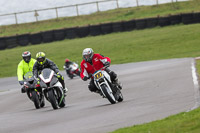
point(40, 59)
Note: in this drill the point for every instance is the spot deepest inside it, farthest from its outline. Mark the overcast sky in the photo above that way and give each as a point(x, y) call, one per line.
point(12, 6)
point(15, 6)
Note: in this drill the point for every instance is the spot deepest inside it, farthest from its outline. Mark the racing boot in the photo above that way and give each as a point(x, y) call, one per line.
point(42, 102)
point(65, 90)
point(117, 83)
point(61, 80)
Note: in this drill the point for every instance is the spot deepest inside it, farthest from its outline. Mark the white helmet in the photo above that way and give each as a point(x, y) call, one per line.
point(87, 54)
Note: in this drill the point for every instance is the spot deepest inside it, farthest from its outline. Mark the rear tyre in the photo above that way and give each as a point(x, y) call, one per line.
point(109, 95)
point(53, 99)
point(35, 99)
point(62, 104)
point(42, 103)
point(71, 76)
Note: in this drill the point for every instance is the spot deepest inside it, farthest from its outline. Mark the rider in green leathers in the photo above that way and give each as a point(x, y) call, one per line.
point(25, 65)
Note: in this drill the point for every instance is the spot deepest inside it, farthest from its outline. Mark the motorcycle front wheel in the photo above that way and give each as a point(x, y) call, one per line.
point(35, 99)
point(109, 95)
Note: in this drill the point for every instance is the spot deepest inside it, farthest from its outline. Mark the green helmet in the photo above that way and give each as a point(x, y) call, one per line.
point(40, 56)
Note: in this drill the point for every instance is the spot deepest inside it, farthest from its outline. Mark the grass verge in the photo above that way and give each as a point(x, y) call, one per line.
point(185, 122)
point(139, 45)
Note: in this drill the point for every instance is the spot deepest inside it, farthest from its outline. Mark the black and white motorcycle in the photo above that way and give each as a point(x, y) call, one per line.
point(53, 90)
point(33, 92)
point(109, 90)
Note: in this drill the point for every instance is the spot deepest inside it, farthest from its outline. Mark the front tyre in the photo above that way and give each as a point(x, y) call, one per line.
point(35, 99)
point(53, 99)
point(108, 94)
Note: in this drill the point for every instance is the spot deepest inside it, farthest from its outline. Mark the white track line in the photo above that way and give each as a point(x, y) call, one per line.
point(196, 85)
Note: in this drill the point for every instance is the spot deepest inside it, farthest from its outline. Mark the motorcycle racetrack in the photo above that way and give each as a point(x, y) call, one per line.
point(152, 90)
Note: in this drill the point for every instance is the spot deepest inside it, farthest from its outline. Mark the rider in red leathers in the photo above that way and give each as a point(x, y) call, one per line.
point(93, 62)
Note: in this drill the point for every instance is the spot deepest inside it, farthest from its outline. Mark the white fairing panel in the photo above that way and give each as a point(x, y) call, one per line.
point(58, 84)
point(47, 80)
point(106, 75)
point(74, 66)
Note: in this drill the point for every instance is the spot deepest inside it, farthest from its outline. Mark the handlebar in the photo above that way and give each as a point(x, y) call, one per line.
point(103, 68)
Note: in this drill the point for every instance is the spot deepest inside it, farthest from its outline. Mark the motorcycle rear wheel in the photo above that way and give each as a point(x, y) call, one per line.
point(61, 97)
point(42, 102)
point(121, 98)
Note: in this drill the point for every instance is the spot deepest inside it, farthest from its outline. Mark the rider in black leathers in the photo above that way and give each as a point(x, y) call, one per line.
point(43, 62)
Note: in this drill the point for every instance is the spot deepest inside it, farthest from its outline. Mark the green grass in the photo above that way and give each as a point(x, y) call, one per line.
point(186, 122)
point(138, 45)
point(102, 17)
point(198, 66)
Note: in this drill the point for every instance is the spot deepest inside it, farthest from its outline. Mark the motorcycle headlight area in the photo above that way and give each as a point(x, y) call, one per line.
point(100, 80)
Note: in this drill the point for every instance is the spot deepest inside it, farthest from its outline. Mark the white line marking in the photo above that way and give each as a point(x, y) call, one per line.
point(196, 86)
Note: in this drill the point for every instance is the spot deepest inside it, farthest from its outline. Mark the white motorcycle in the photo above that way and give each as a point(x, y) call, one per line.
point(109, 90)
point(72, 70)
point(53, 90)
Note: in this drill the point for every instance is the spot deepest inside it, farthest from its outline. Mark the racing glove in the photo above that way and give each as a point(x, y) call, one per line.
point(38, 81)
point(21, 82)
point(60, 76)
point(107, 63)
point(85, 78)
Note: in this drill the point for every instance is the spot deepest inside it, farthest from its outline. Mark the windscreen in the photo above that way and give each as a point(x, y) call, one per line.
point(46, 73)
point(28, 75)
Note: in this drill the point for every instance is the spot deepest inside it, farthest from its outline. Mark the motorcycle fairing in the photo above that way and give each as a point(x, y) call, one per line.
point(46, 76)
point(103, 78)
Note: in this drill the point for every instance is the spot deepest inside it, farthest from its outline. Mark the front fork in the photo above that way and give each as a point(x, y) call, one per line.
point(105, 82)
point(55, 93)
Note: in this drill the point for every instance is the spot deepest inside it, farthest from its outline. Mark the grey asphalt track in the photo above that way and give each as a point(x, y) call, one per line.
point(152, 90)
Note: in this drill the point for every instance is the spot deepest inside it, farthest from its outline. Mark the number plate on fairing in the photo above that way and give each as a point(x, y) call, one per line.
point(98, 75)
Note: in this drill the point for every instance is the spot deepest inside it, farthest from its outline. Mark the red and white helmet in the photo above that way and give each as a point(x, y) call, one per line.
point(26, 56)
point(87, 54)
